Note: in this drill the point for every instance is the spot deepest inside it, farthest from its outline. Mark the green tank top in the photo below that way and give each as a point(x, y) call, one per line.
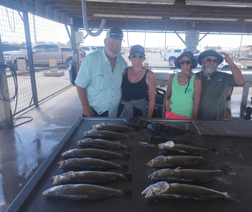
point(182, 103)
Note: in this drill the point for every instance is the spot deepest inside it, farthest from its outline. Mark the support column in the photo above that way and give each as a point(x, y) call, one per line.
point(30, 57)
point(75, 48)
point(6, 119)
point(192, 40)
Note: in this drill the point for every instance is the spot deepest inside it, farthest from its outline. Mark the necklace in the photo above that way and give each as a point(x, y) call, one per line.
point(188, 81)
point(208, 78)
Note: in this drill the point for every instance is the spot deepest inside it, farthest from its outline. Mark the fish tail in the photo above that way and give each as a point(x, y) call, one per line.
point(128, 177)
point(127, 193)
point(126, 157)
point(124, 168)
point(227, 170)
point(130, 148)
point(231, 197)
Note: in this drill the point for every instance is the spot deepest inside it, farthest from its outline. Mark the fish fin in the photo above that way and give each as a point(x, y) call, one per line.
point(130, 148)
point(124, 168)
point(128, 177)
point(60, 164)
point(126, 157)
point(231, 197)
point(227, 170)
point(127, 194)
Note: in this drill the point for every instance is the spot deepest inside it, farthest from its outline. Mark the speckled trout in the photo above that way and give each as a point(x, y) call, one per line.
point(102, 144)
point(181, 148)
point(83, 191)
point(90, 164)
point(90, 177)
point(93, 153)
point(163, 190)
point(112, 127)
point(104, 134)
point(188, 175)
point(174, 161)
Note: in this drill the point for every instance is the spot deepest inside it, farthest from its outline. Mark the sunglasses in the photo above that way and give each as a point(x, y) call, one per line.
point(185, 61)
point(209, 60)
point(137, 55)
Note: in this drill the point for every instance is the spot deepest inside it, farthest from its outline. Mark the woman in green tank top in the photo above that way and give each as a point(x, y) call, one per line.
point(183, 91)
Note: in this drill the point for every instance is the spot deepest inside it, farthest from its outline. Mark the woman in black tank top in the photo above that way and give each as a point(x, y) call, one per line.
point(136, 83)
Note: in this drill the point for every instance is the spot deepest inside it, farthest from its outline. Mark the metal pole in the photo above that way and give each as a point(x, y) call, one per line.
point(34, 27)
point(6, 118)
point(30, 57)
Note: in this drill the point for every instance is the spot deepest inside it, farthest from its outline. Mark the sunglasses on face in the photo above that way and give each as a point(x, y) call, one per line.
point(209, 60)
point(185, 61)
point(137, 55)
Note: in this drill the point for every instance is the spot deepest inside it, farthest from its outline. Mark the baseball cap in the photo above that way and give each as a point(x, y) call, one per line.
point(137, 49)
point(115, 33)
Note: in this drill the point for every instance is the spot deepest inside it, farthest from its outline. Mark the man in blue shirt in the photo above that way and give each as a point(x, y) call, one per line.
point(100, 76)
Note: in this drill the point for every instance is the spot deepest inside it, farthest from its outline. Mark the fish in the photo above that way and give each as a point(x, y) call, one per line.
point(165, 129)
point(93, 153)
point(137, 122)
point(188, 175)
point(90, 164)
point(102, 144)
point(164, 190)
point(170, 146)
point(112, 127)
point(84, 191)
point(104, 134)
point(90, 177)
point(174, 161)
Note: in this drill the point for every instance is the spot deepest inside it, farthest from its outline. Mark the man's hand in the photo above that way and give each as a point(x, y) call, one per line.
point(167, 104)
point(87, 111)
point(227, 57)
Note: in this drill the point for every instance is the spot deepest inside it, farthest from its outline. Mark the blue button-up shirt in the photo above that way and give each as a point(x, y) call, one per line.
point(102, 85)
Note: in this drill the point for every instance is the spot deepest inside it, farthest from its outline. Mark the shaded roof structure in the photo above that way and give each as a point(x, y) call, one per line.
point(233, 16)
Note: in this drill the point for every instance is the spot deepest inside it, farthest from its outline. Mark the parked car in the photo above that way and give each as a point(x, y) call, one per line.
point(88, 49)
point(42, 53)
point(172, 55)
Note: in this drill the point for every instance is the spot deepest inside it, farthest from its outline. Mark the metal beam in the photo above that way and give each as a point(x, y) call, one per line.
point(30, 58)
point(180, 38)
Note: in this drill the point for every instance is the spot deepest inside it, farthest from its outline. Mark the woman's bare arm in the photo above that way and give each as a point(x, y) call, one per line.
point(167, 101)
point(151, 82)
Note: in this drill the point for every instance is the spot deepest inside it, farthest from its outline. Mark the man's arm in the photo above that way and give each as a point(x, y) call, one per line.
point(86, 109)
point(196, 97)
point(237, 75)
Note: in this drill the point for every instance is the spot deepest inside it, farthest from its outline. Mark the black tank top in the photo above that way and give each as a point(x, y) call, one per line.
point(134, 91)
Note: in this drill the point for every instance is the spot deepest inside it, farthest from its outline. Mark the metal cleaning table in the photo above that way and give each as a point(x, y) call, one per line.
point(234, 152)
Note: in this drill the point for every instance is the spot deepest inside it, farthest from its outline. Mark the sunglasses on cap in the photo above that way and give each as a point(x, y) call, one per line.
point(209, 60)
point(185, 61)
point(137, 55)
